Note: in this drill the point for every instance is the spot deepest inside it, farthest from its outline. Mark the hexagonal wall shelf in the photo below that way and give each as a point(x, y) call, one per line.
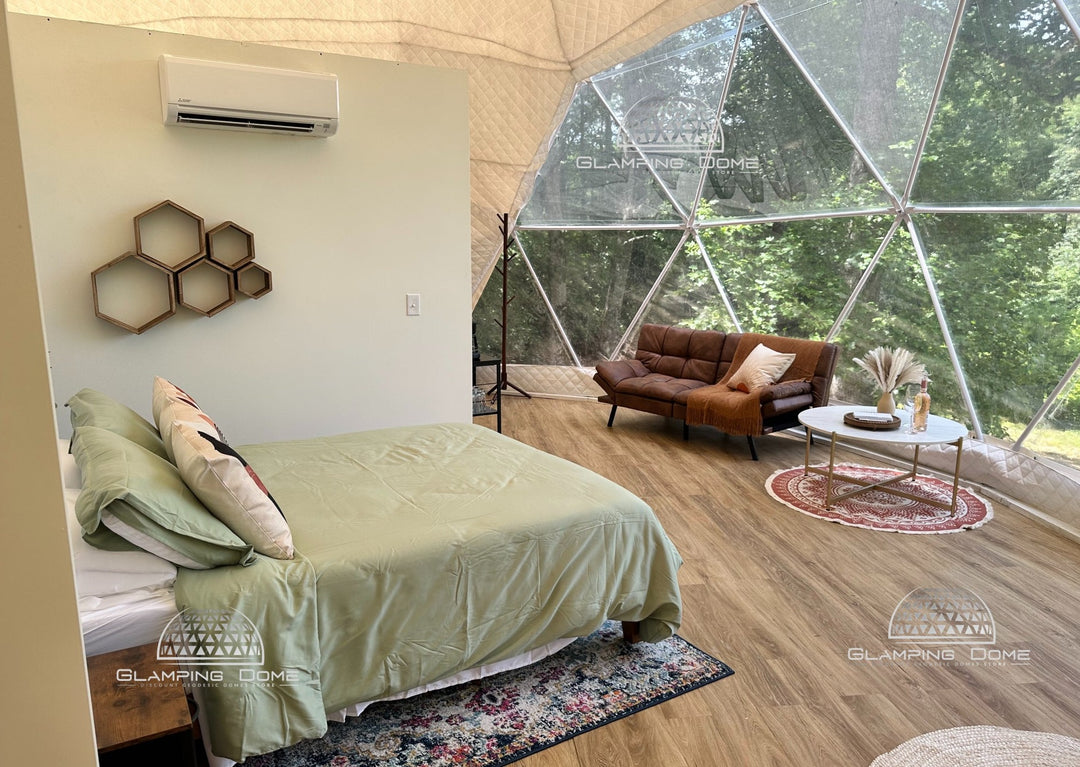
point(230, 245)
point(205, 287)
point(176, 259)
point(253, 280)
point(170, 236)
point(133, 293)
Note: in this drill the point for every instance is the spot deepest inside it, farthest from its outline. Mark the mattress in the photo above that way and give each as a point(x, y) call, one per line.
point(127, 619)
point(125, 598)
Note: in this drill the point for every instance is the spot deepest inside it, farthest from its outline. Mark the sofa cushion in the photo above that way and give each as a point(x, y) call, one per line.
point(680, 352)
point(612, 372)
point(659, 386)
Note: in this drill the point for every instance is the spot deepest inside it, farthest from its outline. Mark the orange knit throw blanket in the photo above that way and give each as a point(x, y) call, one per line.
point(735, 412)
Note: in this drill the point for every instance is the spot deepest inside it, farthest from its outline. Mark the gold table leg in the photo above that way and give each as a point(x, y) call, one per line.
point(865, 486)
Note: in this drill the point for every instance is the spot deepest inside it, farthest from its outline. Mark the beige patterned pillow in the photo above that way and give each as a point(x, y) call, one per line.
point(231, 490)
point(171, 406)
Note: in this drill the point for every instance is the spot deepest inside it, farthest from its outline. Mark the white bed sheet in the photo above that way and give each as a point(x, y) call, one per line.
point(118, 621)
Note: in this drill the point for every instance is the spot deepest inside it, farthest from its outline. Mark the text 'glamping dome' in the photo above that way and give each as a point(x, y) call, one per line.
point(871, 172)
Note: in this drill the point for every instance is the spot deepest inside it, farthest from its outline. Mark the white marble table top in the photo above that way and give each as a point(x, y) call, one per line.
point(831, 420)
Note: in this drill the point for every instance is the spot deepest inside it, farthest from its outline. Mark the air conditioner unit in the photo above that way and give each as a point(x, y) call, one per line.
point(214, 94)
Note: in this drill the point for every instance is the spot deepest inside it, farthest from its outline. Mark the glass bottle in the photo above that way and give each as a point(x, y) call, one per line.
point(921, 409)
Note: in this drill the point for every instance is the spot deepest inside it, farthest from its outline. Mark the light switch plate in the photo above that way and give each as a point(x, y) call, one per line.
point(412, 304)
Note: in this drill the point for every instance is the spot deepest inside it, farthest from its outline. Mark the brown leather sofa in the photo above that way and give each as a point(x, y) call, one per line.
point(682, 373)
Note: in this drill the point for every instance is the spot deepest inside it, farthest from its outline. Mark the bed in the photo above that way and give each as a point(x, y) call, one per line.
point(417, 554)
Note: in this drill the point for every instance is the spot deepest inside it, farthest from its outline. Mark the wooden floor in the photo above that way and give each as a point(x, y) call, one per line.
point(787, 600)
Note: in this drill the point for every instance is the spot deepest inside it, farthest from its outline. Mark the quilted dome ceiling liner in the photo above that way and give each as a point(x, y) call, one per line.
point(523, 58)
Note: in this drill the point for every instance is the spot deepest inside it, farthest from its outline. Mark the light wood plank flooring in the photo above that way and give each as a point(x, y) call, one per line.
point(783, 598)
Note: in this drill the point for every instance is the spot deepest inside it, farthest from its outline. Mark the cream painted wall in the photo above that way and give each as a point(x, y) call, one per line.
point(45, 715)
point(347, 225)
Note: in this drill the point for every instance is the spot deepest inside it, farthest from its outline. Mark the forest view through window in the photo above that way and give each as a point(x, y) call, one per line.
point(873, 173)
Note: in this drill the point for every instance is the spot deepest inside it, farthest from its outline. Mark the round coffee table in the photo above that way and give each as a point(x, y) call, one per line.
point(830, 420)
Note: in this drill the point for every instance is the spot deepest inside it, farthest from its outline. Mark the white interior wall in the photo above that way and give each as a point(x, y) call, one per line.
point(45, 718)
point(347, 226)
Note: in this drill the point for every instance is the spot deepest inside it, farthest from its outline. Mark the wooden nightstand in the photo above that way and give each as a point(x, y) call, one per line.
point(139, 722)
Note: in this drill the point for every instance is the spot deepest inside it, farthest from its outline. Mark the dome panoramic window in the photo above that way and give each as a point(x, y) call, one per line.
point(869, 173)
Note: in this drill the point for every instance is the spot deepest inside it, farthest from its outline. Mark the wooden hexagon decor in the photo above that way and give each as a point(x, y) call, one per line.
point(129, 275)
point(230, 245)
point(176, 259)
point(205, 287)
point(253, 280)
point(170, 236)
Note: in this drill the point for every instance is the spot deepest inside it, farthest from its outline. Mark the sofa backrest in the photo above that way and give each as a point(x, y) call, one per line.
point(681, 352)
point(814, 360)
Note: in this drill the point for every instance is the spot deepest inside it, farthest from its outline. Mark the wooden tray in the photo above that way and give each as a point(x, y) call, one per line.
point(850, 420)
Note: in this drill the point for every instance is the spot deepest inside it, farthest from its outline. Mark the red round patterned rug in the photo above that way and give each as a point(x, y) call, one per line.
point(877, 510)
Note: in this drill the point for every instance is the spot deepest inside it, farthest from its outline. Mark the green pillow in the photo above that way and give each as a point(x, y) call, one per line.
point(130, 494)
point(92, 408)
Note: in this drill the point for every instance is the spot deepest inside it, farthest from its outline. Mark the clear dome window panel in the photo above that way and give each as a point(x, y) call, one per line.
point(877, 62)
point(683, 46)
point(1008, 123)
point(793, 278)
point(593, 176)
point(1057, 436)
point(1010, 288)
point(597, 280)
point(687, 297)
point(894, 310)
point(780, 151)
point(531, 336)
point(667, 100)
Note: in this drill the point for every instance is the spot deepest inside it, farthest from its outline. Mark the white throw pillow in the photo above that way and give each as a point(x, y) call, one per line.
point(762, 367)
point(231, 490)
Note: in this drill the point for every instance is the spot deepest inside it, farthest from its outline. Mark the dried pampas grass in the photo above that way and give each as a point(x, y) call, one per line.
point(892, 368)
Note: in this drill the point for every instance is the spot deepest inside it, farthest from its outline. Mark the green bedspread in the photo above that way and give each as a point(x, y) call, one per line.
point(422, 551)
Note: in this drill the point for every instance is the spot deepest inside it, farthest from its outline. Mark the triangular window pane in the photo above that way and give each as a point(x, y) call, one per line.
point(1008, 123)
point(597, 280)
point(667, 99)
point(531, 336)
point(780, 152)
point(793, 278)
point(592, 176)
point(687, 296)
point(877, 63)
point(1057, 436)
point(1008, 285)
point(894, 310)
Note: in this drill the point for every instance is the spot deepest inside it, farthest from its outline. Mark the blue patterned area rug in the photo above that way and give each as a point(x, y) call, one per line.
point(507, 717)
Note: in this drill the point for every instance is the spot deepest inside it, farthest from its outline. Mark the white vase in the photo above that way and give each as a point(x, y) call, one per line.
point(886, 404)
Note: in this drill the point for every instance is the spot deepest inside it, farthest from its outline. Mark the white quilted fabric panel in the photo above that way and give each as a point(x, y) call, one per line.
point(554, 380)
point(546, 380)
point(522, 58)
point(1017, 475)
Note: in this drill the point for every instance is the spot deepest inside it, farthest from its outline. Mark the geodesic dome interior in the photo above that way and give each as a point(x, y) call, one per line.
point(872, 173)
point(875, 172)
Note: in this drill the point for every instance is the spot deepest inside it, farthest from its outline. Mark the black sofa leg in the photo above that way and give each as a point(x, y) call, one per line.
point(685, 431)
point(753, 449)
point(611, 418)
